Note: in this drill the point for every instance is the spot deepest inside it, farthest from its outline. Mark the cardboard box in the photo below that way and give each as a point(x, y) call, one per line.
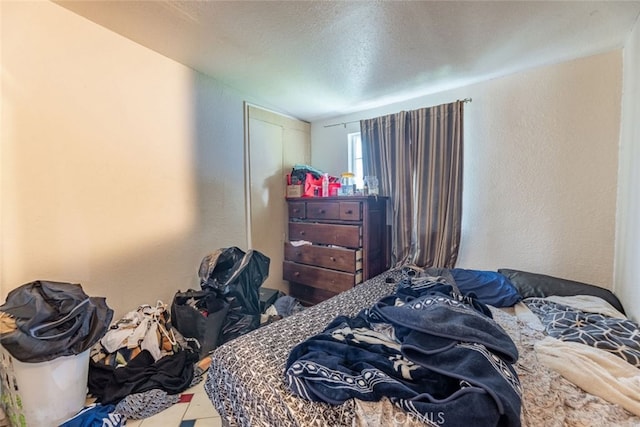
point(294, 190)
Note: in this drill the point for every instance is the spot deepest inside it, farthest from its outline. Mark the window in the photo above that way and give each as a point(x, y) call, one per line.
point(355, 158)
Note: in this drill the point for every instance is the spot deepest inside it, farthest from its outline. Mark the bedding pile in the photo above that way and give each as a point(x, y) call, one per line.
point(431, 351)
point(549, 399)
point(248, 382)
point(592, 345)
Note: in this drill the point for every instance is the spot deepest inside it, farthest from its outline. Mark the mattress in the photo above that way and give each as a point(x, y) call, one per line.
point(246, 380)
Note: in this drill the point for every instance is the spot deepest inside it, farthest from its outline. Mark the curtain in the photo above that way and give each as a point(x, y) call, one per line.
point(384, 147)
point(417, 156)
point(436, 142)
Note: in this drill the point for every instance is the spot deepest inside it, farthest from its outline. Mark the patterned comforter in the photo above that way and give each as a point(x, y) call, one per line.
point(617, 336)
point(246, 380)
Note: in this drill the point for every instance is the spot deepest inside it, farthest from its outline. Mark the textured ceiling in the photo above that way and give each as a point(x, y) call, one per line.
point(319, 59)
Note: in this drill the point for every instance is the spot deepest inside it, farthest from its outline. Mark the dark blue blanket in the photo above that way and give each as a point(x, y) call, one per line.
point(430, 353)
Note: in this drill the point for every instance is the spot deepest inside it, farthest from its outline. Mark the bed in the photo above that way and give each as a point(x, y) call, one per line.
point(246, 381)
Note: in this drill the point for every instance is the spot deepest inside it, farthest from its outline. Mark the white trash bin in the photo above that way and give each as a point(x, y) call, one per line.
point(46, 393)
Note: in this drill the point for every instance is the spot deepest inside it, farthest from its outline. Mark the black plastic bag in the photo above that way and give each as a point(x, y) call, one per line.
point(237, 277)
point(199, 315)
point(53, 319)
point(217, 268)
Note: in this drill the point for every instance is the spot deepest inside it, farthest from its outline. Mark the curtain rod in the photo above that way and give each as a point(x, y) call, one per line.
point(357, 121)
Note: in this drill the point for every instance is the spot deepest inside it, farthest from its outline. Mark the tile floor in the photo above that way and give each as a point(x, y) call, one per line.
point(194, 410)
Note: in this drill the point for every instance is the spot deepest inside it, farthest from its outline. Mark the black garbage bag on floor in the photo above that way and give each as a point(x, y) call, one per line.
point(236, 276)
point(53, 319)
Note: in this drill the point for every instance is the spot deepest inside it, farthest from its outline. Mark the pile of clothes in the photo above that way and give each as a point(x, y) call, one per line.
point(142, 364)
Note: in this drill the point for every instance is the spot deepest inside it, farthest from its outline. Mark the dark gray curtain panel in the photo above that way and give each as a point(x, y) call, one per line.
point(417, 156)
point(386, 154)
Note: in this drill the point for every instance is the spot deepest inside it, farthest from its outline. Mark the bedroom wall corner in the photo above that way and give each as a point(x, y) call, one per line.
point(121, 168)
point(3, 138)
point(541, 155)
point(627, 256)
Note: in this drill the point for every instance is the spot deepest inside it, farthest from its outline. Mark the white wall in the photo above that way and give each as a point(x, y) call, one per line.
point(121, 169)
point(627, 266)
point(540, 167)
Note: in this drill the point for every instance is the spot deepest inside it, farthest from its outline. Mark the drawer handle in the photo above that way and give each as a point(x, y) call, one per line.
point(296, 210)
point(321, 211)
point(302, 232)
point(332, 258)
point(349, 211)
point(296, 273)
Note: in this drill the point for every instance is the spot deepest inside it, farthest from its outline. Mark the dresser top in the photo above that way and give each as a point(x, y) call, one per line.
point(335, 198)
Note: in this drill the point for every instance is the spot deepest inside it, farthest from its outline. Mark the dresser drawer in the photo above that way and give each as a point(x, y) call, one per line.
point(349, 260)
point(323, 210)
point(349, 236)
point(316, 277)
point(297, 210)
point(333, 210)
point(351, 211)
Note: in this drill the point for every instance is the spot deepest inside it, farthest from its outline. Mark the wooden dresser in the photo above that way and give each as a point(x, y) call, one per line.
point(349, 244)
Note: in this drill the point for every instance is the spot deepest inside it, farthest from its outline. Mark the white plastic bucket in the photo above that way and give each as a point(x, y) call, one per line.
point(46, 393)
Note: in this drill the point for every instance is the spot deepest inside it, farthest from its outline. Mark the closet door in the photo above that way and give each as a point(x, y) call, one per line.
point(274, 144)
